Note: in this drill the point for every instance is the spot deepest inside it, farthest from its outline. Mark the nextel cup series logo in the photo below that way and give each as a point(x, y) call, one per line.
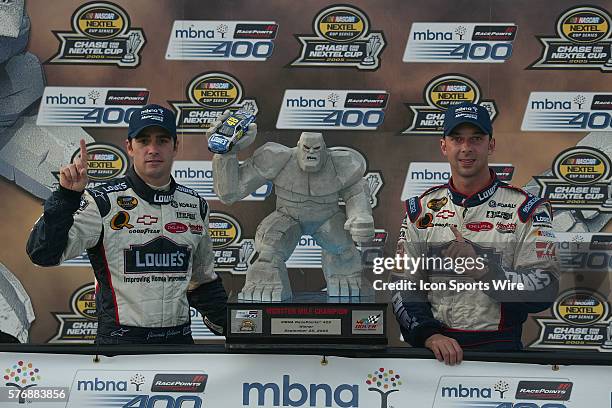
point(439, 94)
point(332, 109)
point(221, 40)
point(582, 41)
point(581, 178)
point(209, 95)
point(101, 35)
point(568, 112)
point(224, 230)
point(460, 42)
point(343, 39)
point(105, 162)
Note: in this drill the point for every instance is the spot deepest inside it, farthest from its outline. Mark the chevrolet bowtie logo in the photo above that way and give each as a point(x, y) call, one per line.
point(147, 220)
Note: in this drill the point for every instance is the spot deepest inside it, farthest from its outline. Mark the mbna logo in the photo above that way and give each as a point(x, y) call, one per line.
point(288, 394)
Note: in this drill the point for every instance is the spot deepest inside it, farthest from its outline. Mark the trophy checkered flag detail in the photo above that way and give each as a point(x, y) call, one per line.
point(372, 319)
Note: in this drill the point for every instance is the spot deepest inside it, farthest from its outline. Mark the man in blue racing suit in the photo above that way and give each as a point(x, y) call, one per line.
point(506, 232)
point(146, 236)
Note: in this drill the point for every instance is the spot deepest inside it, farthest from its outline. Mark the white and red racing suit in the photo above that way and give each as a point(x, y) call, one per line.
point(511, 230)
point(150, 251)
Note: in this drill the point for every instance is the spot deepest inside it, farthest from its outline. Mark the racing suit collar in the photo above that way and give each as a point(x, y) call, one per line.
point(477, 198)
point(147, 193)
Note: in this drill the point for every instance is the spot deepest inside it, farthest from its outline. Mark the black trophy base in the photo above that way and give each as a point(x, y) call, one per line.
point(308, 320)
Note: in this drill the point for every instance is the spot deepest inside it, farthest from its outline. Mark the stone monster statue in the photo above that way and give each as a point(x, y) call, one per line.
point(308, 180)
point(29, 154)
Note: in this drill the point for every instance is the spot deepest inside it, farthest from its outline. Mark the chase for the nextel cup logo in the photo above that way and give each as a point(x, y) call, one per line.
point(582, 178)
point(568, 112)
point(89, 106)
point(460, 42)
point(582, 41)
point(209, 95)
point(332, 109)
point(342, 39)
point(439, 94)
point(581, 321)
point(80, 324)
point(221, 40)
point(101, 35)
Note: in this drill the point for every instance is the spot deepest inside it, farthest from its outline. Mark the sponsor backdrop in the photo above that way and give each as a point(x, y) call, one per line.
point(212, 380)
point(374, 76)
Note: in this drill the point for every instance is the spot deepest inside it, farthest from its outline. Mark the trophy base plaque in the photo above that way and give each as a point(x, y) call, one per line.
point(308, 320)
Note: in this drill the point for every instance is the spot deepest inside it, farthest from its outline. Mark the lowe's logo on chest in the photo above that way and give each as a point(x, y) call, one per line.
point(158, 255)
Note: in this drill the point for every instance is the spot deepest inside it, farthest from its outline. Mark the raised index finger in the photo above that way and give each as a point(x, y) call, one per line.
point(458, 236)
point(84, 155)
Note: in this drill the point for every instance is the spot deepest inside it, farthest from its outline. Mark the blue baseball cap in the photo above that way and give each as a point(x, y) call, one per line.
point(152, 115)
point(467, 113)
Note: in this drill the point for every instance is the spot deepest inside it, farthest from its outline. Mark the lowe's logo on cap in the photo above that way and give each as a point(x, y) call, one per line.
point(152, 115)
point(467, 112)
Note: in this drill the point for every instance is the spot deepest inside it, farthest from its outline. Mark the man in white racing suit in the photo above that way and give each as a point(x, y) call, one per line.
point(475, 233)
point(146, 236)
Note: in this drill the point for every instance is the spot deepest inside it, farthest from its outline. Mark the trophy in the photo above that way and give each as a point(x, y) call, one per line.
point(309, 181)
point(608, 202)
point(607, 66)
point(372, 47)
point(131, 46)
point(608, 343)
point(244, 254)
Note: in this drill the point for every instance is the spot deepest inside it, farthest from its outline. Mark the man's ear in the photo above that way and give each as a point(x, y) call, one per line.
point(128, 147)
point(443, 145)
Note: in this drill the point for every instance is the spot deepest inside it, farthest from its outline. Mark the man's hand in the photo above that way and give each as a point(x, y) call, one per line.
point(459, 248)
point(445, 349)
point(360, 228)
point(246, 140)
point(74, 176)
